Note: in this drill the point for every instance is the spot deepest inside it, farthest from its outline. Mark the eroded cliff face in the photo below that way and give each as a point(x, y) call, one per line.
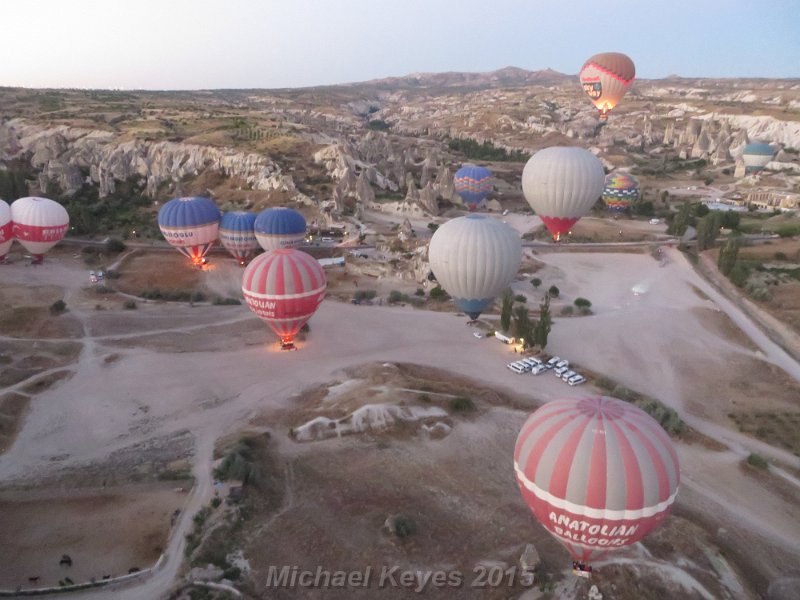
point(69, 157)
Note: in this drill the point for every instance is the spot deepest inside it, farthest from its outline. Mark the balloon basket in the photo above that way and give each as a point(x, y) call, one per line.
point(582, 570)
point(288, 346)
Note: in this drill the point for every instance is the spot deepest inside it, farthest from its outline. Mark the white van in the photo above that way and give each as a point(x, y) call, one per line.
point(516, 368)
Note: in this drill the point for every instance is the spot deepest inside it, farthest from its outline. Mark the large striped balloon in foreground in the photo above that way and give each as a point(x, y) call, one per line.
point(6, 227)
point(38, 224)
point(284, 288)
point(474, 258)
point(562, 184)
point(237, 234)
point(605, 79)
point(190, 225)
point(280, 228)
point(473, 184)
point(597, 472)
point(620, 191)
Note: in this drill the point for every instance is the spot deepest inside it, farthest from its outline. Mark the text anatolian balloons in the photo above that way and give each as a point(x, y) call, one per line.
point(237, 234)
point(474, 258)
point(284, 288)
point(598, 473)
point(562, 184)
point(605, 79)
point(38, 224)
point(190, 225)
point(6, 230)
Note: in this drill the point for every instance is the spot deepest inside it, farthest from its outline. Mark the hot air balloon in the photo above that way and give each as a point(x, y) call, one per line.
point(620, 191)
point(190, 225)
point(561, 184)
point(6, 226)
point(605, 79)
point(474, 258)
point(237, 234)
point(756, 155)
point(280, 228)
point(284, 287)
point(598, 473)
point(38, 224)
point(473, 184)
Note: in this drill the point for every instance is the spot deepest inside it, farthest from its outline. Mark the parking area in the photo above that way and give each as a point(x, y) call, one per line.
point(556, 365)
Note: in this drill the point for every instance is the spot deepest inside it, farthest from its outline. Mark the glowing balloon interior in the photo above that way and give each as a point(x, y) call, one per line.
point(190, 225)
point(606, 78)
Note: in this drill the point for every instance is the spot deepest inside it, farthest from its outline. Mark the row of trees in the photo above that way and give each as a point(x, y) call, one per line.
point(531, 332)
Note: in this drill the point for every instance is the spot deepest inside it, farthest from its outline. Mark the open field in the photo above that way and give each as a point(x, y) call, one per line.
point(153, 389)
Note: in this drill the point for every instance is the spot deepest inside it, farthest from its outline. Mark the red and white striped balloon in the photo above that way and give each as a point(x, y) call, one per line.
point(6, 226)
point(597, 472)
point(284, 288)
point(39, 224)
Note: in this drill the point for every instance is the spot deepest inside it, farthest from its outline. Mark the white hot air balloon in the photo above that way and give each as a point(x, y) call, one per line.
point(474, 258)
point(6, 235)
point(562, 184)
point(39, 224)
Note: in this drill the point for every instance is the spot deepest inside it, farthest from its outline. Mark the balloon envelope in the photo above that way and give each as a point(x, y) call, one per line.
point(6, 229)
point(562, 184)
point(605, 79)
point(474, 258)
point(237, 234)
point(280, 228)
point(284, 288)
point(190, 224)
point(473, 184)
point(598, 473)
point(756, 156)
point(620, 191)
point(38, 223)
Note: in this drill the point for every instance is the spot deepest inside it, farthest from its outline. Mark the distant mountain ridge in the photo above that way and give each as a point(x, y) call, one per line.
point(505, 77)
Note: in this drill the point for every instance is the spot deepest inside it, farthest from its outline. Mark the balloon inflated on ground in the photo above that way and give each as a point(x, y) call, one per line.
point(620, 191)
point(38, 224)
point(6, 230)
point(598, 473)
point(606, 78)
point(561, 184)
point(756, 156)
point(473, 184)
point(190, 225)
point(237, 234)
point(474, 258)
point(284, 288)
point(280, 227)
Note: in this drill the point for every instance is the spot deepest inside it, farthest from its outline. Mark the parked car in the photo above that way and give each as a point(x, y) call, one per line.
point(478, 335)
point(576, 380)
point(532, 362)
point(552, 362)
point(538, 369)
point(559, 371)
point(525, 366)
point(562, 363)
point(567, 374)
point(516, 368)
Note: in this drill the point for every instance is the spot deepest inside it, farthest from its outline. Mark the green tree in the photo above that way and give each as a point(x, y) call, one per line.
point(433, 227)
point(536, 282)
point(680, 223)
point(582, 303)
point(702, 210)
point(728, 255)
point(553, 291)
point(707, 229)
point(664, 196)
point(543, 326)
point(523, 326)
point(505, 310)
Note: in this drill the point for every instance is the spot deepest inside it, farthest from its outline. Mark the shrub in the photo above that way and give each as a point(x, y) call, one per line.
point(232, 574)
point(198, 297)
point(420, 292)
point(226, 301)
point(622, 393)
point(462, 404)
point(58, 307)
point(757, 461)
point(395, 296)
point(520, 298)
point(553, 291)
point(567, 310)
point(780, 256)
point(115, 245)
point(438, 293)
point(739, 275)
point(129, 304)
point(582, 303)
point(536, 282)
point(364, 295)
point(216, 501)
point(404, 526)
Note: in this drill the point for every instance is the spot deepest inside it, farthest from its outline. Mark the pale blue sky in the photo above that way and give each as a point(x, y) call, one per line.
point(181, 44)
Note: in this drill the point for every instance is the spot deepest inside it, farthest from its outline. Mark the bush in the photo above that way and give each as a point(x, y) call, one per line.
point(404, 526)
point(582, 303)
point(757, 461)
point(520, 298)
point(438, 293)
point(395, 296)
point(567, 310)
point(226, 301)
point(361, 295)
point(462, 404)
point(216, 501)
point(420, 292)
point(232, 574)
point(536, 282)
point(780, 256)
point(115, 245)
point(739, 275)
point(788, 230)
point(553, 291)
point(197, 297)
point(129, 304)
point(58, 307)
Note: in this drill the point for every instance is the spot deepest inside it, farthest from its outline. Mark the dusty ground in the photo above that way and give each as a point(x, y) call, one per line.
point(150, 384)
